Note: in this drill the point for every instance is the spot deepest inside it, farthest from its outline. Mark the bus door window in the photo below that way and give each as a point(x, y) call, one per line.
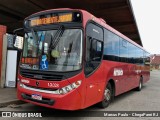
point(93, 55)
point(94, 48)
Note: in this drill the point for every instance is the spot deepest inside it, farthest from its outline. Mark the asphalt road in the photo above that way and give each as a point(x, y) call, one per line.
point(148, 99)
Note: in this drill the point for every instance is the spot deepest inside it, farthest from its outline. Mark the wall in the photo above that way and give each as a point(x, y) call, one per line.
point(2, 32)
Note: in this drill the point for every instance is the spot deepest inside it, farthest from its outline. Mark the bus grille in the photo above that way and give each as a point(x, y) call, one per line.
point(41, 76)
point(48, 89)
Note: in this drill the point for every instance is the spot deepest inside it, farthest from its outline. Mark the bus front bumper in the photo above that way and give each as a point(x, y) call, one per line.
point(69, 101)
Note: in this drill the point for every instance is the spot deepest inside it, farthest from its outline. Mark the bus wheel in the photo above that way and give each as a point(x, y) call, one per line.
point(107, 97)
point(140, 84)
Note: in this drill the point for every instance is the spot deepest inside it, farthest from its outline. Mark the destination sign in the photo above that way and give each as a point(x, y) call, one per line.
point(50, 20)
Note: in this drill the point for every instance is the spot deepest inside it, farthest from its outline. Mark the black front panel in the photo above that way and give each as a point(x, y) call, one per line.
point(43, 101)
point(47, 75)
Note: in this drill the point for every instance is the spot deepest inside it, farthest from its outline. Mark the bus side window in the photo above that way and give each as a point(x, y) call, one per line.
point(131, 53)
point(96, 50)
point(147, 59)
point(123, 53)
point(93, 54)
point(111, 46)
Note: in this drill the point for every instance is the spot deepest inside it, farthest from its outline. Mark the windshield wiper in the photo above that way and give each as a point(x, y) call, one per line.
point(34, 36)
point(57, 36)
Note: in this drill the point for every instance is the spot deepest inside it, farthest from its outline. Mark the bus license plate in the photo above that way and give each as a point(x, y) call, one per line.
point(36, 97)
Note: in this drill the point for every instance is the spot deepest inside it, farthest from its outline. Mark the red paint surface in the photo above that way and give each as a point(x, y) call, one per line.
point(2, 32)
point(92, 88)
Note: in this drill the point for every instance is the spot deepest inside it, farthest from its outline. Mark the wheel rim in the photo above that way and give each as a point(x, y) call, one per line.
point(107, 95)
point(140, 85)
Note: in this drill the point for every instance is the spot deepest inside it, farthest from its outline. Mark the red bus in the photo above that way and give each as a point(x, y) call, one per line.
point(72, 60)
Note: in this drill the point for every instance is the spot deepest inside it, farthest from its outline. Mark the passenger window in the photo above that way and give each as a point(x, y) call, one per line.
point(131, 53)
point(111, 46)
point(123, 51)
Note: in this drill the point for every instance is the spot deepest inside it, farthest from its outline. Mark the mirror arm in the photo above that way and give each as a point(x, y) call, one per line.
point(16, 30)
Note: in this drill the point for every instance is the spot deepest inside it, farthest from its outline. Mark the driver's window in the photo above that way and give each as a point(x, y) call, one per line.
point(94, 48)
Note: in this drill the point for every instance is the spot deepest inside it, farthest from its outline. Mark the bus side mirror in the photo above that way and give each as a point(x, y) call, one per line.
point(14, 40)
point(15, 37)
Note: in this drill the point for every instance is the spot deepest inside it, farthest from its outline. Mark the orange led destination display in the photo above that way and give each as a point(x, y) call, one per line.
point(50, 20)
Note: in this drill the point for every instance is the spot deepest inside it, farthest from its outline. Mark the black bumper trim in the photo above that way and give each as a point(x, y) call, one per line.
point(43, 101)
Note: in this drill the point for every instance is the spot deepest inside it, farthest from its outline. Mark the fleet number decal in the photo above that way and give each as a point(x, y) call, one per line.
point(53, 85)
point(118, 72)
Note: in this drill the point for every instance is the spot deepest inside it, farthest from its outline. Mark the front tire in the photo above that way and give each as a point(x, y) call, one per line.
point(108, 92)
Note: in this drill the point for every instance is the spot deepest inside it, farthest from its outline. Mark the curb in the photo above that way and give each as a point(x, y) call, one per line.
point(16, 101)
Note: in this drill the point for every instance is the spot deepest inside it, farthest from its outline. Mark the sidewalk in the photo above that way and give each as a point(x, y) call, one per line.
point(8, 96)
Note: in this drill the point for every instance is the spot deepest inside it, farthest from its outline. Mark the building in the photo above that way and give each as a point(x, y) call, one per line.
point(155, 62)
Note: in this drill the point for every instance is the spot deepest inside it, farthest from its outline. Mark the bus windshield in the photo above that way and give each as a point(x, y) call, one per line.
point(53, 52)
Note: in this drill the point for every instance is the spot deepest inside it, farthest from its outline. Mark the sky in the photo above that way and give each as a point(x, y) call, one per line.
point(147, 15)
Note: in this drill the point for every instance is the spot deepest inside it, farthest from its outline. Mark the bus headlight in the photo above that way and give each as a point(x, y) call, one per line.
point(60, 91)
point(70, 87)
point(21, 84)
